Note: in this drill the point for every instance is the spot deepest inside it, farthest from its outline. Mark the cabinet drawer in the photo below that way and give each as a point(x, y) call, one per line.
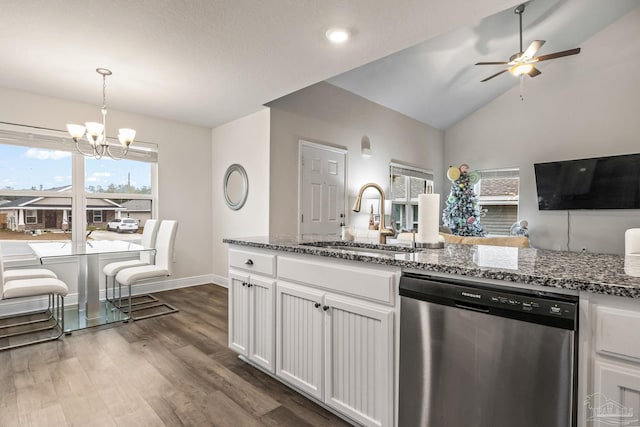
point(614, 327)
point(253, 261)
point(376, 285)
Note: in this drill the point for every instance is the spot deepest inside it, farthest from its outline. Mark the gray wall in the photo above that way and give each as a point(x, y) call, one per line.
point(325, 114)
point(244, 141)
point(581, 106)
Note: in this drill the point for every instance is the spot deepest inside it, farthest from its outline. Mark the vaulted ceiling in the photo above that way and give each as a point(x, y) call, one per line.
point(207, 62)
point(436, 82)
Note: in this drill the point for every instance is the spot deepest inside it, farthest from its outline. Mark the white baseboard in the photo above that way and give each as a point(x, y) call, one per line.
point(220, 280)
point(26, 305)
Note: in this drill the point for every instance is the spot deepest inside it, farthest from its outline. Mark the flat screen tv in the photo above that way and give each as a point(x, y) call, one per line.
point(599, 183)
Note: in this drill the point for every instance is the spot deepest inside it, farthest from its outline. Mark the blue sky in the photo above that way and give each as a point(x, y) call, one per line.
point(22, 168)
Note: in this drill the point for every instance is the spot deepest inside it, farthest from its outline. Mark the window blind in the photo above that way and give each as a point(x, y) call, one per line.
point(60, 141)
point(397, 170)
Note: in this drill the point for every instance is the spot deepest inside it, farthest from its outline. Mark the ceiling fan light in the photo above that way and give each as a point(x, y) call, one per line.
point(520, 69)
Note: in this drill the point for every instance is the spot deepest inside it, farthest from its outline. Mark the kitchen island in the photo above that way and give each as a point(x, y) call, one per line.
point(591, 272)
point(323, 315)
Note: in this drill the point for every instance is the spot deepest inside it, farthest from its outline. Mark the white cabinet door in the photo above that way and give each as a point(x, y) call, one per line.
point(359, 360)
point(262, 322)
point(299, 335)
point(616, 397)
point(239, 313)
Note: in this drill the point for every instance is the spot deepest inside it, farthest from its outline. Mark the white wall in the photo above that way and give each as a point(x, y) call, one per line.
point(581, 106)
point(325, 114)
point(244, 141)
point(184, 166)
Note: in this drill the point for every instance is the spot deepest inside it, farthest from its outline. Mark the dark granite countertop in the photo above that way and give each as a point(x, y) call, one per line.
point(597, 273)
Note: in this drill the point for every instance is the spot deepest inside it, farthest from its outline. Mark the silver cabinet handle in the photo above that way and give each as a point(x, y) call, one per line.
point(248, 262)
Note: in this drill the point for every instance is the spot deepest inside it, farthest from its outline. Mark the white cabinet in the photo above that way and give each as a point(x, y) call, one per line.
point(251, 305)
point(239, 313)
point(616, 400)
point(325, 327)
point(614, 395)
point(359, 359)
point(337, 349)
point(299, 335)
point(251, 318)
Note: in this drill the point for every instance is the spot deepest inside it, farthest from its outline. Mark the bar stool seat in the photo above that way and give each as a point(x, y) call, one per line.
point(28, 273)
point(33, 287)
point(54, 289)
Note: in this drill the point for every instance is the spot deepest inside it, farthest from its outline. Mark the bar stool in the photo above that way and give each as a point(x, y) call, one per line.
point(25, 273)
point(110, 270)
point(162, 267)
point(55, 289)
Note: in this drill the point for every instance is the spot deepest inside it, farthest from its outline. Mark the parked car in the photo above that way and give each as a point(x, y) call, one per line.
point(121, 225)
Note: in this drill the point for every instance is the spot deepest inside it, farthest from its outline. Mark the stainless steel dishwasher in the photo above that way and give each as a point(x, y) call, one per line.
point(475, 355)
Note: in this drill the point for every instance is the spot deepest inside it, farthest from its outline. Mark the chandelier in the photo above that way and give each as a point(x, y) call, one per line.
point(96, 133)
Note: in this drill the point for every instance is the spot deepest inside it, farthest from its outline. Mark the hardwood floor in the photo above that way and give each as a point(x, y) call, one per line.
point(174, 370)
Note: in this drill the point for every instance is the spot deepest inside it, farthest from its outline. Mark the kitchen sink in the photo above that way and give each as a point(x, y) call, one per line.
point(362, 248)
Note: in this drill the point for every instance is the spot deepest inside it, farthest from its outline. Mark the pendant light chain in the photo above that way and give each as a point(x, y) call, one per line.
point(104, 91)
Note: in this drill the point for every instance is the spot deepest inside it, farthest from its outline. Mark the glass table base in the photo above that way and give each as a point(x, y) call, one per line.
point(75, 319)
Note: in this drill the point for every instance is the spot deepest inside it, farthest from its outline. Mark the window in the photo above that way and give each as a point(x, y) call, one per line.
point(38, 186)
point(498, 199)
point(119, 189)
point(31, 217)
point(406, 184)
point(97, 216)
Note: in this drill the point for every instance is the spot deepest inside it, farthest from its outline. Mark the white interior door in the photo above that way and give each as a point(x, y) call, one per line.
point(322, 184)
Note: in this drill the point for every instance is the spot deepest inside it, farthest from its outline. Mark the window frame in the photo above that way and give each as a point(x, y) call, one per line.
point(51, 139)
point(93, 215)
point(30, 213)
point(409, 203)
point(511, 172)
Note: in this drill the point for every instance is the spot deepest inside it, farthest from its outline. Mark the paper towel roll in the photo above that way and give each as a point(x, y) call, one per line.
point(428, 218)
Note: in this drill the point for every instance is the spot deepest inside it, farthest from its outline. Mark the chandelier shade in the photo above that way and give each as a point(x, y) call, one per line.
point(96, 133)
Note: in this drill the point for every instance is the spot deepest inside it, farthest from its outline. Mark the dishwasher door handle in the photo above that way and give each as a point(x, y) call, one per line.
point(472, 307)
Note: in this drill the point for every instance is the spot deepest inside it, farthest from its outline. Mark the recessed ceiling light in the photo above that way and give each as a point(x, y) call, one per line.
point(337, 35)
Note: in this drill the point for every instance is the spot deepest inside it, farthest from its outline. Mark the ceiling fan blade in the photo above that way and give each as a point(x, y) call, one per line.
point(558, 54)
point(534, 72)
point(532, 49)
point(494, 75)
point(492, 63)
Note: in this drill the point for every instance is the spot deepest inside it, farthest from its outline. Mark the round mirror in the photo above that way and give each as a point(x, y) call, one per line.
point(236, 186)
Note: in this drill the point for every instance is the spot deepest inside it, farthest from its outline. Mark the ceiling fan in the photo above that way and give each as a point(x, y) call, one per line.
point(523, 62)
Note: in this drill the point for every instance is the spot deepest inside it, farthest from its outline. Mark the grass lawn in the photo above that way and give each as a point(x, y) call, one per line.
point(18, 235)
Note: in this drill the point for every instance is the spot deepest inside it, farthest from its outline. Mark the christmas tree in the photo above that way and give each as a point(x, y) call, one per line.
point(461, 214)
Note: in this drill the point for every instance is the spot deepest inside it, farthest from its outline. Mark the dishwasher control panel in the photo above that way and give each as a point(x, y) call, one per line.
point(530, 304)
point(524, 304)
